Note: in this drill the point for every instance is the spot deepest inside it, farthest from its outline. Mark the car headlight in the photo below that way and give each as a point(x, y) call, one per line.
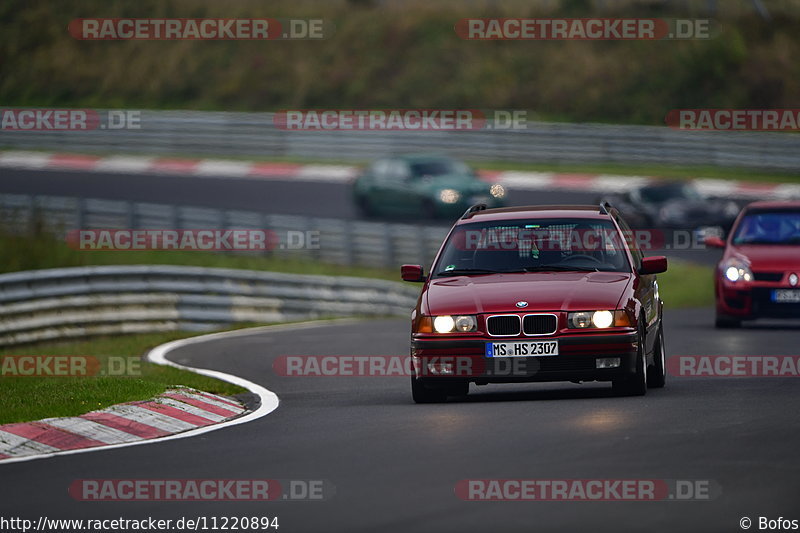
point(497, 190)
point(598, 319)
point(736, 270)
point(602, 319)
point(459, 323)
point(449, 196)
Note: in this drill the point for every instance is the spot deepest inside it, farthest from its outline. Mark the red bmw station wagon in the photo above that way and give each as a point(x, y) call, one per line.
point(524, 294)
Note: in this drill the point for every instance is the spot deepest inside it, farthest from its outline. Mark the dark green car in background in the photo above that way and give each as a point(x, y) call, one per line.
point(431, 186)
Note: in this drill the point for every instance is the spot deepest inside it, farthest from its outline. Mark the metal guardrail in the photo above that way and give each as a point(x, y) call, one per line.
point(347, 242)
point(52, 304)
point(255, 135)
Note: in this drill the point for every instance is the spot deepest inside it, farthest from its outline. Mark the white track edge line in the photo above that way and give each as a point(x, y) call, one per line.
point(269, 400)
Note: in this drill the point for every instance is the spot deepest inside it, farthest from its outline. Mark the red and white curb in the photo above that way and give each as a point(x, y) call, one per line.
point(174, 411)
point(178, 414)
point(514, 180)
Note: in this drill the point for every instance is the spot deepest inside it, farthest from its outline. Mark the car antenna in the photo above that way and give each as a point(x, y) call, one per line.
point(472, 210)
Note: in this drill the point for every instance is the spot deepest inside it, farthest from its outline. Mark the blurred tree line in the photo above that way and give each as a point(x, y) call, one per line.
point(392, 53)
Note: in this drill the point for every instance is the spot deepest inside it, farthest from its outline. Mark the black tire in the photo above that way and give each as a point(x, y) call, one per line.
point(460, 389)
point(656, 374)
point(726, 322)
point(422, 394)
point(636, 384)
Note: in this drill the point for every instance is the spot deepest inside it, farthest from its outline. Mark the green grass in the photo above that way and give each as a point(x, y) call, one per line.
point(25, 252)
point(686, 285)
point(33, 398)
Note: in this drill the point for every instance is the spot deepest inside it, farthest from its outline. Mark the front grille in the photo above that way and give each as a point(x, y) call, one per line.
point(539, 365)
point(563, 364)
point(539, 324)
point(768, 276)
point(503, 325)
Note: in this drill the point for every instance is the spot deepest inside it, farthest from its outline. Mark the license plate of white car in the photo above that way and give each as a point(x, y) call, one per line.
point(522, 349)
point(786, 296)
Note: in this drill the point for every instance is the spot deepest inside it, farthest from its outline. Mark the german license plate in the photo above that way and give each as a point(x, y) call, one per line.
point(522, 349)
point(786, 296)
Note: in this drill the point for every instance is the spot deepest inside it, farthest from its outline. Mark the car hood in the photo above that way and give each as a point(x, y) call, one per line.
point(765, 257)
point(544, 291)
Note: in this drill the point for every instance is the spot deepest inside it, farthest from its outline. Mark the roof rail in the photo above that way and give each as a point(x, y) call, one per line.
point(605, 207)
point(472, 210)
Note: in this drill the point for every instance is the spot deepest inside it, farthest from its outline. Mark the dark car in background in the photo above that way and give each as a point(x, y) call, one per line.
point(674, 205)
point(759, 273)
point(431, 186)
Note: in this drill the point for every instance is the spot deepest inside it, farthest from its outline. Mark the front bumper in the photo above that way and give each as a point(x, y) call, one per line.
point(753, 300)
point(577, 359)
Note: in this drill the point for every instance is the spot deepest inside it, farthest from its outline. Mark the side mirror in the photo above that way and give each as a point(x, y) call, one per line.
point(412, 273)
point(712, 241)
point(653, 265)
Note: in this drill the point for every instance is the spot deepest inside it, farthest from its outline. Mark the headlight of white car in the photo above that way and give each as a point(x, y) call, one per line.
point(736, 270)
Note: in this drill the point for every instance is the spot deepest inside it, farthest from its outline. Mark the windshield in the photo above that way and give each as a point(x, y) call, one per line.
point(769, 227)
point(664, 193)
point(547, 245)
point(439, 167)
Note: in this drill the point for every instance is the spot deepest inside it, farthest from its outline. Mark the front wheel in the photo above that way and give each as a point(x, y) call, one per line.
point(636, 384)
point(656, 374)
point(422, 394)
point(726, 322)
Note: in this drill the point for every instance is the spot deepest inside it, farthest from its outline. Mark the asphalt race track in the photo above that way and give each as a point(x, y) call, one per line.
point(395, 464)
point(267, 195)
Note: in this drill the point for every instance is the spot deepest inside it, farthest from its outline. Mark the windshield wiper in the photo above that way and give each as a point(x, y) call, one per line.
point(467, 272)
point(560, 268)
point(541, 268)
